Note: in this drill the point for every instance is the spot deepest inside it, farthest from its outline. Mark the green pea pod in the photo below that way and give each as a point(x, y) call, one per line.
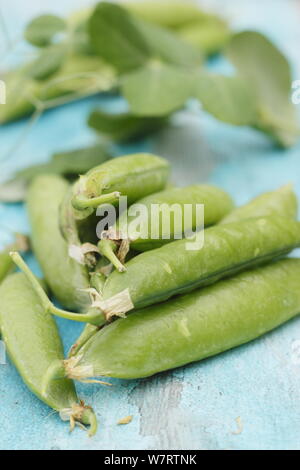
point(66, 278)
point(171, 219)
point(281, 202)
point(190, 328)
point(87, 332)
point(179, 267)
point(33, 343)
point(134, 176)
point(211, 34)
point(97, 282)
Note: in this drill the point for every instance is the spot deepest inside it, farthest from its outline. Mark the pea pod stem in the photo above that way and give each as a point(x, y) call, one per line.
point(80, 202)
point(108, 249)
point(94, 316)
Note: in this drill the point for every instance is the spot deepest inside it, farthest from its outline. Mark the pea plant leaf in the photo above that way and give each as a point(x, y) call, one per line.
point(124, 127)
point(41, 31)
point(69, 164)
point(49, 61)
point(168, 46)
point(267, 70)
point(157, 89)
point(229, 99)
point(116, 38)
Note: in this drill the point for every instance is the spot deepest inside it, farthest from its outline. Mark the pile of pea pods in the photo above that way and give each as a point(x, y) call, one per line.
point(148, 304)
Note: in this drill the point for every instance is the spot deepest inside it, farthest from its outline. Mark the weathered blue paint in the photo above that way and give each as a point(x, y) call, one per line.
point(194, 407)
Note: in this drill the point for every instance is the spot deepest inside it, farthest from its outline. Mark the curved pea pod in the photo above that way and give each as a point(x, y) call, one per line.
point(191, 327)
point(78, 233)
point(166, 216)
point(62, 85)
point(134, 176)
point(281, 202)
point(66, 278)
point(179, 267)
point(88, 331)
point(33, 343)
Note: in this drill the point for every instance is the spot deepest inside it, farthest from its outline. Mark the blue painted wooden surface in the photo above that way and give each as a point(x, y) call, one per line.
point(248, 398)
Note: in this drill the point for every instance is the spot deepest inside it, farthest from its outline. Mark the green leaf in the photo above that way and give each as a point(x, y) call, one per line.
point(168, 46)
point(228, 99)
point(124, 127)
point(47, 63)
point(79, 161)
point(128, 42)
point(41, 31)
point(266, 69)
point(115, 37)
point(157, 89)
point(69, 164)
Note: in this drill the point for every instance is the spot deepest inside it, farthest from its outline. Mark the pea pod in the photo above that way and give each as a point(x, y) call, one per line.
point(171, 14)
point(134, 176)
point(76, 79)
point(178, 267)
point(190, 328)
point(280, 202)
point(170, 222)
point(33, 343)
point(66, 278)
